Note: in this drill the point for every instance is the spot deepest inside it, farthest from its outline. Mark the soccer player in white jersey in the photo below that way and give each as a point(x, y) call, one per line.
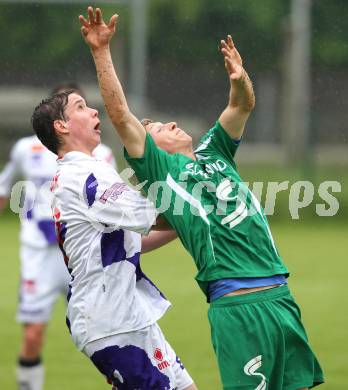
point(113, 308)
point(44, 276)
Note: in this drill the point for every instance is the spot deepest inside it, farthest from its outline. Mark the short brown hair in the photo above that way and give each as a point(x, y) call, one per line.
point(146, 121)
point(45, 114)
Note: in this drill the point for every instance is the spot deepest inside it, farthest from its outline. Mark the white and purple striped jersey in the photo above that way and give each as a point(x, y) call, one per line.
point(36, 165)
point(99, 221)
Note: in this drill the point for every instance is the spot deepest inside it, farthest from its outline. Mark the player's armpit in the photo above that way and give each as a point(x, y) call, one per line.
point(161, 224)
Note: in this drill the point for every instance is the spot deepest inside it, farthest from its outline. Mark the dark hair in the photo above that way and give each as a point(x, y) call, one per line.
point(45, 114)
point(146, 121)
point(68, 86)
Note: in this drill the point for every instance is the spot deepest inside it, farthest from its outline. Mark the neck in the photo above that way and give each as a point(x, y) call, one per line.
point(66, 149)
point(191, 155)
point(188, 152)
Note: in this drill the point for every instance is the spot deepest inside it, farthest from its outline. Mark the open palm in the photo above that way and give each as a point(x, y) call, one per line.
point(233, 60)
point(95, 31)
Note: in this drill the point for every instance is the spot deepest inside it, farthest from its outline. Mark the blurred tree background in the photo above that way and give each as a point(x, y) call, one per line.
point(186, 82)
point(39, 46)
point(37, 41)
point(185, 77)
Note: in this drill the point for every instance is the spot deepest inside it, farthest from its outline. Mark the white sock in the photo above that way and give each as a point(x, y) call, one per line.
point(30, 378)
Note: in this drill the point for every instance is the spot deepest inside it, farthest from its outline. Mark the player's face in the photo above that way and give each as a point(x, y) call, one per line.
point(168, 136)
point(82, 122)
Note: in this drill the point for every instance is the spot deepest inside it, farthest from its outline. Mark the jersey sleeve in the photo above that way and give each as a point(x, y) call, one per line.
point(113, 204)
point(217, 142)
point(155, 164)
point(10, 172)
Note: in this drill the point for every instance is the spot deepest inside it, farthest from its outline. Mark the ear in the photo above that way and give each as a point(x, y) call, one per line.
point(60, 126)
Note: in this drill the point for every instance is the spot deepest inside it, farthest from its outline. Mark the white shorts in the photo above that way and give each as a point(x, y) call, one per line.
point(142, 359)
point(44, 277)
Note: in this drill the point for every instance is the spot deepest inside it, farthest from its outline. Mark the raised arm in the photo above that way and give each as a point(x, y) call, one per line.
point(241, 98)
point(97, 34)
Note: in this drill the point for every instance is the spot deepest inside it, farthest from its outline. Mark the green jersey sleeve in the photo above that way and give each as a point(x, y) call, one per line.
point(217, 142)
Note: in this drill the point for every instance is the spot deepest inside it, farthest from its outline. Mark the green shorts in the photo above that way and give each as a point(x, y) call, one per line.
point(260, 342)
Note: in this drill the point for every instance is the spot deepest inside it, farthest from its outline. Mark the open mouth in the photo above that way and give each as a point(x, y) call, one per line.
point(97, 127)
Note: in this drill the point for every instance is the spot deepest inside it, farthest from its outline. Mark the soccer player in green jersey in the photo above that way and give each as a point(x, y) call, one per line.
point(256, 330)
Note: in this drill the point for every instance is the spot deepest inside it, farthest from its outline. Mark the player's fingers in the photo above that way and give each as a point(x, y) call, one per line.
point(98, 16)
point(225, 49)
point(229, 65)
point(230, 42)
point(83, 21)
point(226, 52)
point(84, 31)
point(237, 56)
point(223, 44)
point(112, 22)
point(90, 15)
point(233, 50)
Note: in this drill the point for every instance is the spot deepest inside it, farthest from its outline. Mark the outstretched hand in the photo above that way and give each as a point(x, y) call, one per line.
point(95, 31)
point(233, 60)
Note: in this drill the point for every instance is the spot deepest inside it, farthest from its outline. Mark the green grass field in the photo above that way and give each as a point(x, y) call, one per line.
point(314, 251)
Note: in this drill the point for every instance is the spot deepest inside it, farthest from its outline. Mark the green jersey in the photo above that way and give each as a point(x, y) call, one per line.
point(217, 218)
